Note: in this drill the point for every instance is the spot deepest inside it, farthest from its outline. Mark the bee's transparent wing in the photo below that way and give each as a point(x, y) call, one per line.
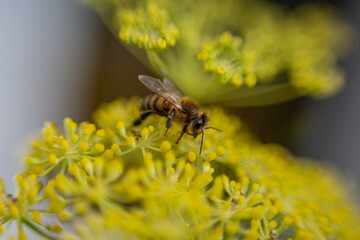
point(158, 87)
point(169, 84)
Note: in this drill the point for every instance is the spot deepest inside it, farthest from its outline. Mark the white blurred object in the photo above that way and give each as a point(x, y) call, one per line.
point(47, 52)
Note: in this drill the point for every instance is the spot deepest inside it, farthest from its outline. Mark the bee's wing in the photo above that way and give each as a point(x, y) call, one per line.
point(173, 87)
point(158, 87)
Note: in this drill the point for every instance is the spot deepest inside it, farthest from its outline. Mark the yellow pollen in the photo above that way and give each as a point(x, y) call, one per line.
point(64, 145)
point(14, 210)
point(207, 144)
point(267, 202)
point(57, 228)
point(221, 70)
point(225, 38)
point(171, 171)
point(33, 178)
point(237, 80)
point(255, 198)
point(258, 212)
point(148, 159)
point(241, 199)
point(36, 216)
point(32, 195)
point(119, 125)
point(2, 208)
point(250, 80)
point(144, 132)
point(74, 138)
point(211, 156)
point(52, 158)
point(130, 141)
point(161, 43)
point(169, 156)
point(36, 144)
point(272, 224)
point(99, 147)
point(255, 186)
point(73, 169)
point(109, 153)
point(115, 147)
point(165, 146)
point(191, 156)
point(100, 133)
point(113, 170)
point(70, 124)
point(83, 146)
point(22, 235)
point(220, 150)
point(254, 224)
point(65, 215)
point(287, 220)
point(151, 128)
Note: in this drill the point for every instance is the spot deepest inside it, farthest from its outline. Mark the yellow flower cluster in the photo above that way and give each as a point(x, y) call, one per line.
point(143, 185)
point(23, 210)
point(57, 151)
point(225, 58)
point(146, 27)
point(221, 46)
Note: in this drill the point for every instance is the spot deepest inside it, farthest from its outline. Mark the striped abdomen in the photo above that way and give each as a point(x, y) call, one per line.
point(156, 103)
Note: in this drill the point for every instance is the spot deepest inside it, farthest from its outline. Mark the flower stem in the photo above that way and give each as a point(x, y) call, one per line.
point(40, 230)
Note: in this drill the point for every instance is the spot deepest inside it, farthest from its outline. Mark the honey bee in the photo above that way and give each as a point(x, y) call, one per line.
point(169, 101)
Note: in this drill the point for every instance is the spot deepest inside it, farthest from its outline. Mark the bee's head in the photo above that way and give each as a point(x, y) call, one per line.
point(199, 124)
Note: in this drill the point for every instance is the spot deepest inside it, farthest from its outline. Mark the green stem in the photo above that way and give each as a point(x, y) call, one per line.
point(40, 230)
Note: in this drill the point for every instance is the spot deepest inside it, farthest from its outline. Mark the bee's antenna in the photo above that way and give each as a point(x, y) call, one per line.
point(202, 139)
point(219, 130)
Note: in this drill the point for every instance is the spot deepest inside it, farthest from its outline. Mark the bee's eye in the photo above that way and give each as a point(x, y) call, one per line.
point(198, 124)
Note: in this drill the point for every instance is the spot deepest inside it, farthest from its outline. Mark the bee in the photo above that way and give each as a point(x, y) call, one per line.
point(169, 101)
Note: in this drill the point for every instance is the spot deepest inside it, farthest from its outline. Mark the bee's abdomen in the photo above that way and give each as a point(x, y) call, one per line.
point(156, 103)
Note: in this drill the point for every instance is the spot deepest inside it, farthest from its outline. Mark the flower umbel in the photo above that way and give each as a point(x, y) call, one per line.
point(57, 151)
point(143, 185)
point(147, 27)
point(238, 52)
point(22, 208)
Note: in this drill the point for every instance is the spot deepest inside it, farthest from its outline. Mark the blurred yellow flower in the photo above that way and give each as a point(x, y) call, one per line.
point(237, 52)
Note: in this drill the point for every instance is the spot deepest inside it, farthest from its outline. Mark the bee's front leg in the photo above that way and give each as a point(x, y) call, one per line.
point(168, 122)
point(183, 131)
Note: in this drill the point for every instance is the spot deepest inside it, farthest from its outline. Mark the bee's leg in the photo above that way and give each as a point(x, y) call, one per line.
point(168, 122)
point(144, 115)
point(182, 132)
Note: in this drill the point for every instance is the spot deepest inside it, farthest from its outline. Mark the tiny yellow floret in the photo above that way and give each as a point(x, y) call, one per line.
point(100, 133)
point(144, 132)
point(99, 147)
point(13, 210)
point(22, 235)
point(191, 156)
point(287, 220)
point(36, 215)
point(83, 146)
point(64, 145)
point(272, 224)
point(52, 158)
point(211, 156)
point(130, 141)
point(165, 146)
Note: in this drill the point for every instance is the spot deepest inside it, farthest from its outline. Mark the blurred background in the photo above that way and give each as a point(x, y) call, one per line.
point(58, 60)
